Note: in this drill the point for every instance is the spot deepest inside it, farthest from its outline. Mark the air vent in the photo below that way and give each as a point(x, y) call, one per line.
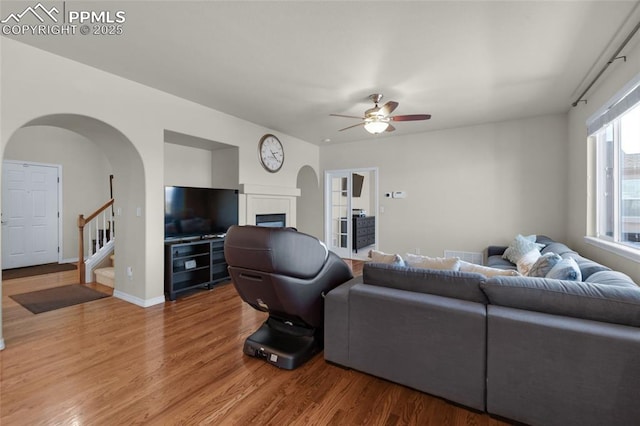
point(467, 256)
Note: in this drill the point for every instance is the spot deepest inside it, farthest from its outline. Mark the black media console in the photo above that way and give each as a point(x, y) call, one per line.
point(190, 264)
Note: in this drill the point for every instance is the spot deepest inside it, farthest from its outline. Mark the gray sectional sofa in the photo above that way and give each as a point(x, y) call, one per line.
point(538, 351)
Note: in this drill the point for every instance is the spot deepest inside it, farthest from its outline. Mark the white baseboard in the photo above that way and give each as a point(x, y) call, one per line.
point(138, 301)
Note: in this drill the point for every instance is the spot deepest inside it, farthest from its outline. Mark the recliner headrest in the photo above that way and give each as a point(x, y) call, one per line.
point(275, 250)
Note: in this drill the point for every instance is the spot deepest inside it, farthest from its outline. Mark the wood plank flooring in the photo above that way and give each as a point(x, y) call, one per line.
point(109, 362)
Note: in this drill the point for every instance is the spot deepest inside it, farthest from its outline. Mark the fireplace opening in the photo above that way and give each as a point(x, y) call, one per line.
point(275, 220)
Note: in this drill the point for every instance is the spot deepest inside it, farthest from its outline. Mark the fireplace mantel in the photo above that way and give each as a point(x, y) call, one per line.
point(265, 199)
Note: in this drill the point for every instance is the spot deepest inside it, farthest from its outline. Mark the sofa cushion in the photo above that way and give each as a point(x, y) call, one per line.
point(544, 264)
point(544, 240)
point(496, 261)
point(612, 278)
point(588, 267)
point(454, 284)
point(598, 302)
point(445, 263)
point(486, 270)
point(556, 247)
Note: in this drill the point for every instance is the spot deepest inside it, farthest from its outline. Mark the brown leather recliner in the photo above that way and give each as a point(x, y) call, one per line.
point(285, 273)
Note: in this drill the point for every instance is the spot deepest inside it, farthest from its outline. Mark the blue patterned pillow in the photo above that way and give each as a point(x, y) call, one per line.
point(520, 246)
point(544, 264)
point(566, 269)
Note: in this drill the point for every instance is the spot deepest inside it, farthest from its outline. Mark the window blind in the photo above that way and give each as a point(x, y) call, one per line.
point(618, 108)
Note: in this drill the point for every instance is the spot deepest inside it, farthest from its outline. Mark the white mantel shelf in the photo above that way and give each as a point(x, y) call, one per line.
point(250, 188)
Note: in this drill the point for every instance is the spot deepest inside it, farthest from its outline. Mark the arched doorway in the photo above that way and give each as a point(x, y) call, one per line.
point(309, 203)
point(119, 157)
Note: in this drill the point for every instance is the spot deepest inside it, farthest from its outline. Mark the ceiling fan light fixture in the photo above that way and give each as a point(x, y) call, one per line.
point(375, 126)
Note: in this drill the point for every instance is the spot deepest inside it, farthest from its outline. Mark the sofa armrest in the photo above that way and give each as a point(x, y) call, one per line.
point(336, 322)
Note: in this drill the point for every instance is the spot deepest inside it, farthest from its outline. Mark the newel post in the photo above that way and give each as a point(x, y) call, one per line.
point(81, 266)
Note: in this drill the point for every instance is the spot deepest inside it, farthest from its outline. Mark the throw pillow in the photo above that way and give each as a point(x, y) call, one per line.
point(382, 257)
point(520, 246)
point(486, 270)
point(544, 264)
point(566, 269)
point(526, 261)
point(446, 263)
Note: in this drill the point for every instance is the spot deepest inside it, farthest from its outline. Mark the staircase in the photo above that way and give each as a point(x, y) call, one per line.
point(99, 242)
point(106, 275)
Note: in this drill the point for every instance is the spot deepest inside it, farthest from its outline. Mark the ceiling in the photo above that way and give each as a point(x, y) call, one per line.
point(288, 65)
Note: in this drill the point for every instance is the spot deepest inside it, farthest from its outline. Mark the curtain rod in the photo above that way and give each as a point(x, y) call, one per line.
point(609, 62)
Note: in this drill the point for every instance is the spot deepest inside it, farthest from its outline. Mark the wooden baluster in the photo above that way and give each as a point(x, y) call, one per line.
point(81, 265)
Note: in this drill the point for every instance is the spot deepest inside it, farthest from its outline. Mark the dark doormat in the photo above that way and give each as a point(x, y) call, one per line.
point(30, 271)
point(57, 297)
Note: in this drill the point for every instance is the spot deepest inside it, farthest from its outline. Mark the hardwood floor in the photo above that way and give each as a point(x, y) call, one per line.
point(109, 362)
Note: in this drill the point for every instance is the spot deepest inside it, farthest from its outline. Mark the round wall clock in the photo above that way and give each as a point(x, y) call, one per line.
point(271, 153)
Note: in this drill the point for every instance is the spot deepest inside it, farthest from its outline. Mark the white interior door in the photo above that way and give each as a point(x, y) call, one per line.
point(29, 214)
point(338, 212)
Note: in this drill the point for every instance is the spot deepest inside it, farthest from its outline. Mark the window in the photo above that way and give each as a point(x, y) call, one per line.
point(617, 137)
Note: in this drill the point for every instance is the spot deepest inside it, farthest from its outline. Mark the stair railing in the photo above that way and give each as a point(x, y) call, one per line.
point(96, 238)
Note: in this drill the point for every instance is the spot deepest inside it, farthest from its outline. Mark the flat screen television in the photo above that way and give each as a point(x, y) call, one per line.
point(198, 212)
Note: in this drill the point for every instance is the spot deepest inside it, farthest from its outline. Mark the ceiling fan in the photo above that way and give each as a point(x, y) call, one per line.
point(377, 120)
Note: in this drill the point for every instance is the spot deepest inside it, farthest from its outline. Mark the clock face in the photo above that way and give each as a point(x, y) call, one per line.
point(271, 153)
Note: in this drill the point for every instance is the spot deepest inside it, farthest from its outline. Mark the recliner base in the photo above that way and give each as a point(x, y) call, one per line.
point(287, 351)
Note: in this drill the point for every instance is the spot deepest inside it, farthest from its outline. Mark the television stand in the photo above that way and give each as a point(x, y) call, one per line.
point(193, 264)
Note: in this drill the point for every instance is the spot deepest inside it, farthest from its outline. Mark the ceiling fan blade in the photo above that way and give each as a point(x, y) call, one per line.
point(388, 108)
point(346, 116)
point(410, 117)
point(390, 128)
point(355, 125)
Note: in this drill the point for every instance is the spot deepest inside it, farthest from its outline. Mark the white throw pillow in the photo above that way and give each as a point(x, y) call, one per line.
point(527, 261)
point(486, 270)
point(445, 263)
point(566, 269)
point(520, 246)
point(382, 257)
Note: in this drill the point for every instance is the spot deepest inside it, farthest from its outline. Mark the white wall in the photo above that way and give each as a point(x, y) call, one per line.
point(187, 166)
point(39, 84)
point(85, 173)
point(580, 180)
point(467, 187)
point(224, 168)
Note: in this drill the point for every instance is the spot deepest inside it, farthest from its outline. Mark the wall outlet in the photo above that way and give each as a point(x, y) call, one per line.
point(418, 250)
point(130, 272)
